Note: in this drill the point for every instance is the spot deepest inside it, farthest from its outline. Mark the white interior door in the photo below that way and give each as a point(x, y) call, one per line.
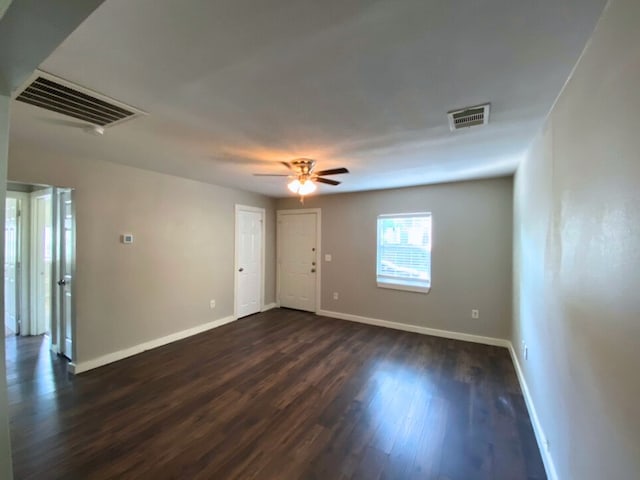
point(65, 264)
point(249, 260)
point(11, 265)
point(297, 260)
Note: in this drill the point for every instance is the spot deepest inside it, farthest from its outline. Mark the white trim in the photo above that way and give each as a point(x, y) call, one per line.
point(23, 255)
point(269, 306)
point(467, 337)
point(263, 220)
point(318, 213)
point(80, 367)
point(549, 466)
point(405, 285)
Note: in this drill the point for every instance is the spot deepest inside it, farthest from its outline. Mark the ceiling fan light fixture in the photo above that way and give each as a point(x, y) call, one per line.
point(307, 187)
point(294, 186)
point(303, 187)
point(303, 179)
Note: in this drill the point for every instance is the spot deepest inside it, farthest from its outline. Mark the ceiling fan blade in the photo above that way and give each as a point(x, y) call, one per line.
point(270, 175)
point(332, 171)
point(287, 164)
point(326, 180)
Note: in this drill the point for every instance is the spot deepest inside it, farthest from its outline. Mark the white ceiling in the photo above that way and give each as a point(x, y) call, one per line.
point(232, 87)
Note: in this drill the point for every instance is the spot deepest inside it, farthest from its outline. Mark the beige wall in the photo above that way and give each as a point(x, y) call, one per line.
point(471, 259)
point(182, 257)
point(577, 260)
point(5, 446)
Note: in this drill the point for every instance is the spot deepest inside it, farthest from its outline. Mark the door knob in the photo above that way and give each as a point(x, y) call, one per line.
point(241, 269)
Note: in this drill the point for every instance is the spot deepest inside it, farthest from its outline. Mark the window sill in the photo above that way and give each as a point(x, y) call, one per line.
point(406, 286)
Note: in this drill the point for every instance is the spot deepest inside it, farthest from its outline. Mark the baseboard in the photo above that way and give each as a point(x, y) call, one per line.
point(541, 438)
point(467, 337)
point(269, 306)
point(80, 367)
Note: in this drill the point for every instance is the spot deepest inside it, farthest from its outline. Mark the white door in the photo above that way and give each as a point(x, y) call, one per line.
point(249, 260)
point(297, 260)
point(11, 265)
point(65, 263)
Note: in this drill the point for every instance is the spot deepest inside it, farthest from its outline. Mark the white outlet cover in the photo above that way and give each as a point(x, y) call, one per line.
point(327, 257)
point(126, 238)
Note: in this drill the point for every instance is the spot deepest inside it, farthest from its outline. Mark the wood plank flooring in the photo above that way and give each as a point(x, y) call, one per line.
point(278, 395)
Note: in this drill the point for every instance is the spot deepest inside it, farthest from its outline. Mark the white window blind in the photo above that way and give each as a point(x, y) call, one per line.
point(404, 251)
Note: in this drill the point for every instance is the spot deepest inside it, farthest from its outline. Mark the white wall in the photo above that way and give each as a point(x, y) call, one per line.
point(471, 259)
point(182, 257)
point(577, 260)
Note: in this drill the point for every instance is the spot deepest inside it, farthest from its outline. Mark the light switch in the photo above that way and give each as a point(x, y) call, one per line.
point(327, 257)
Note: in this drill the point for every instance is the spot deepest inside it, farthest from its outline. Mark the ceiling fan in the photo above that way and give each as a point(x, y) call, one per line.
point(304, 177)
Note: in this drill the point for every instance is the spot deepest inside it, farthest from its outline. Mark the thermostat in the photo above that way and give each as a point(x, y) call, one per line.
point(127, 238)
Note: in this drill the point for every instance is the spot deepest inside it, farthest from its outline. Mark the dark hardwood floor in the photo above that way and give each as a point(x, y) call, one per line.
point(278, 395)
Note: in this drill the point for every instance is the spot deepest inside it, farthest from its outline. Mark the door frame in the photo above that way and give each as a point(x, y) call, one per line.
point(22, 256)
point(247, 208)
point(299, 211)
point(25, 256)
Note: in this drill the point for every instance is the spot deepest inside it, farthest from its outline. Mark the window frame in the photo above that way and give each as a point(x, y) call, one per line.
point(399, 283)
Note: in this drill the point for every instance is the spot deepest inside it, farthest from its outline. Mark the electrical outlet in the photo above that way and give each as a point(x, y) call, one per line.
point(212, 304)
point(335, 295)
point(475, 313)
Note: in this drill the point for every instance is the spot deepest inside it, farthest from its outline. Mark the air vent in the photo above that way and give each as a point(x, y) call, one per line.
point(60, 96)
point(469, 117)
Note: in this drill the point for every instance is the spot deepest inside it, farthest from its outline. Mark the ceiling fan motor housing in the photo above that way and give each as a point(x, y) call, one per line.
point(303, 165)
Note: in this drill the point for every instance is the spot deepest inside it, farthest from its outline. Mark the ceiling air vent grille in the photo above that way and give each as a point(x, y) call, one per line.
point(60, 96)
point(469, 117)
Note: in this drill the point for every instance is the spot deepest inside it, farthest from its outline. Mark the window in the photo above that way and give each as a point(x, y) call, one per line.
point(404, 251)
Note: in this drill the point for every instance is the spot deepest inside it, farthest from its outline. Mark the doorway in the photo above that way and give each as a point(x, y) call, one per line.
point(38, 322)
point(249, 260)
point(12, 266)
point(298, 275)
point(40, 264)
